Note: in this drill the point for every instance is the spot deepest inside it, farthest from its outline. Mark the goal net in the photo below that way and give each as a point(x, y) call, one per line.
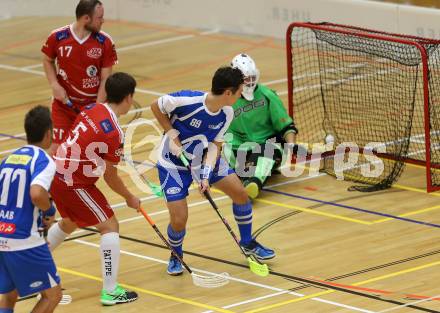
point(376, 91)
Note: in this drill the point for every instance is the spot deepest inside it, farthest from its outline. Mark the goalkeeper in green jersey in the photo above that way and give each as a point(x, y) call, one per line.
point(260, 129)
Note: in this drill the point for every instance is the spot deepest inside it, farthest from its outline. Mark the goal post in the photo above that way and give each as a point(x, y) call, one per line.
point(376, 93)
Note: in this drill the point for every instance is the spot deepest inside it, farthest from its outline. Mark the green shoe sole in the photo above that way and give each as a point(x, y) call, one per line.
point(252, 190)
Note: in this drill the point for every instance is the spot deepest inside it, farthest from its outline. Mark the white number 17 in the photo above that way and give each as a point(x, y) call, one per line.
point(67, 49)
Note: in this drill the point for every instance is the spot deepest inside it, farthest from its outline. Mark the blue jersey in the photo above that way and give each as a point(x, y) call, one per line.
point(197, 126)
point(27, 166)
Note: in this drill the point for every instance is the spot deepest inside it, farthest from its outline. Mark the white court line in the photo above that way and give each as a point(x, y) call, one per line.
point(291, 293)
point(166, 40)
point(8, 138)
point(139, 110)
point(273, 82)
point(209, 32)
point(135, 218)
point(243, 281)
point(140, 90)
point(144, 91)
point(254, 300)
point(155, 42)
point(7, 151)
point(32, 66)
point(271, 295)
point(40, 73)
point(27, 69)
point(124, 204)
point(407, 304)
point(22, 135)
point(19, 69)
point(149, 92)
point(132, 124)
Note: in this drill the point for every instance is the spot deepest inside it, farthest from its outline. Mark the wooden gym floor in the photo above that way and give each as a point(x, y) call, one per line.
point(374, 248)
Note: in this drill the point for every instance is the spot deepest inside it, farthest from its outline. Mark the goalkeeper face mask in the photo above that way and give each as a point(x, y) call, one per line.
point(250, 72)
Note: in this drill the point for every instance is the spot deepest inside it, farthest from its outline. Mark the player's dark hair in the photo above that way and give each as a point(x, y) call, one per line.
point(226, 78)
point(36, 123)
point(86, 7)
point(118, 86)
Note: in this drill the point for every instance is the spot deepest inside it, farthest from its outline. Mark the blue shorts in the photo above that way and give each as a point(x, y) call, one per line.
point(175, 183)
point(29, 271)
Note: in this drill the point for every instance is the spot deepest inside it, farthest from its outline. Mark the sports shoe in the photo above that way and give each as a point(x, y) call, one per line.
point(252, 187)
point(258, 250)
point(119, 295)
point(174, 266)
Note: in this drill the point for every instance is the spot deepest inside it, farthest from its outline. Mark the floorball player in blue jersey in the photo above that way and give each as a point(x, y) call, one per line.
point(195, 123)
point(26, 265)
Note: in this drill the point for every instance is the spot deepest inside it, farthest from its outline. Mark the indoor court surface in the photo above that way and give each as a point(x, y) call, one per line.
point(337, 251)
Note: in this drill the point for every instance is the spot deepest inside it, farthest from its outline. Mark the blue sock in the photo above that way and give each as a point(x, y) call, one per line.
point(175, 238)
point(243, 217)
point(2, 310)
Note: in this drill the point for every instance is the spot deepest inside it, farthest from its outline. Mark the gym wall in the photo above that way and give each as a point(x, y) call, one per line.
point(268, 18)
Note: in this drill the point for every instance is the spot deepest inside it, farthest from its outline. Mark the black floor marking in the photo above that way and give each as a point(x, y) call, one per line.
point(303, 285)
point(306, 285)
point(281, 218)
point(385, 265)
point(27, 297)
point(260, 230)
point(32, 296)
point(289, 277)
point(372, 269)
point(81, 236)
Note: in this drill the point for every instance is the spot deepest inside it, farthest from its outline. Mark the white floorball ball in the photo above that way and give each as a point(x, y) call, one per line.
point(329, 139)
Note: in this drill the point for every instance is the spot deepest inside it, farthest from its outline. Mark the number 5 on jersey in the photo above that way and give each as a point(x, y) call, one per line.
point(80, 126)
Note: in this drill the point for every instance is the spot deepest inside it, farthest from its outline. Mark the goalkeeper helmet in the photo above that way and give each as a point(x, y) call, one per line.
point(250, 72)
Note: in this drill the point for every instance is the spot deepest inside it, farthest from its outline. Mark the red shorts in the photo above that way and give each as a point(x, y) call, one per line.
point(63, 118)
point(86, 206)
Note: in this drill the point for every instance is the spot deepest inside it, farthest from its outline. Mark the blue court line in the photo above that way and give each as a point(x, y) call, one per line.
point(352, 208)
point(12, 137)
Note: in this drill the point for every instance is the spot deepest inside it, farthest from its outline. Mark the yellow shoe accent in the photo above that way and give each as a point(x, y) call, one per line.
point(252, 190)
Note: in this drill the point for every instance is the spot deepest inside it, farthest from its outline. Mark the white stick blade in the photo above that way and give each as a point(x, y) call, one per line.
point(213, 281)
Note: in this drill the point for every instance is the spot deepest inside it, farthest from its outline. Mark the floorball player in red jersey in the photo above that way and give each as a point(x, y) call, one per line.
point(77, 60)
point(93, 148)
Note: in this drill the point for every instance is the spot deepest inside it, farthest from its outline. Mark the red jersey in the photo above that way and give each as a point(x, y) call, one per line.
point(95, 137)
point(79, 62)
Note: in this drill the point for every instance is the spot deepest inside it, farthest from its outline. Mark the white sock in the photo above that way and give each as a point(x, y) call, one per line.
point(110, 251)
point(55, 236)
